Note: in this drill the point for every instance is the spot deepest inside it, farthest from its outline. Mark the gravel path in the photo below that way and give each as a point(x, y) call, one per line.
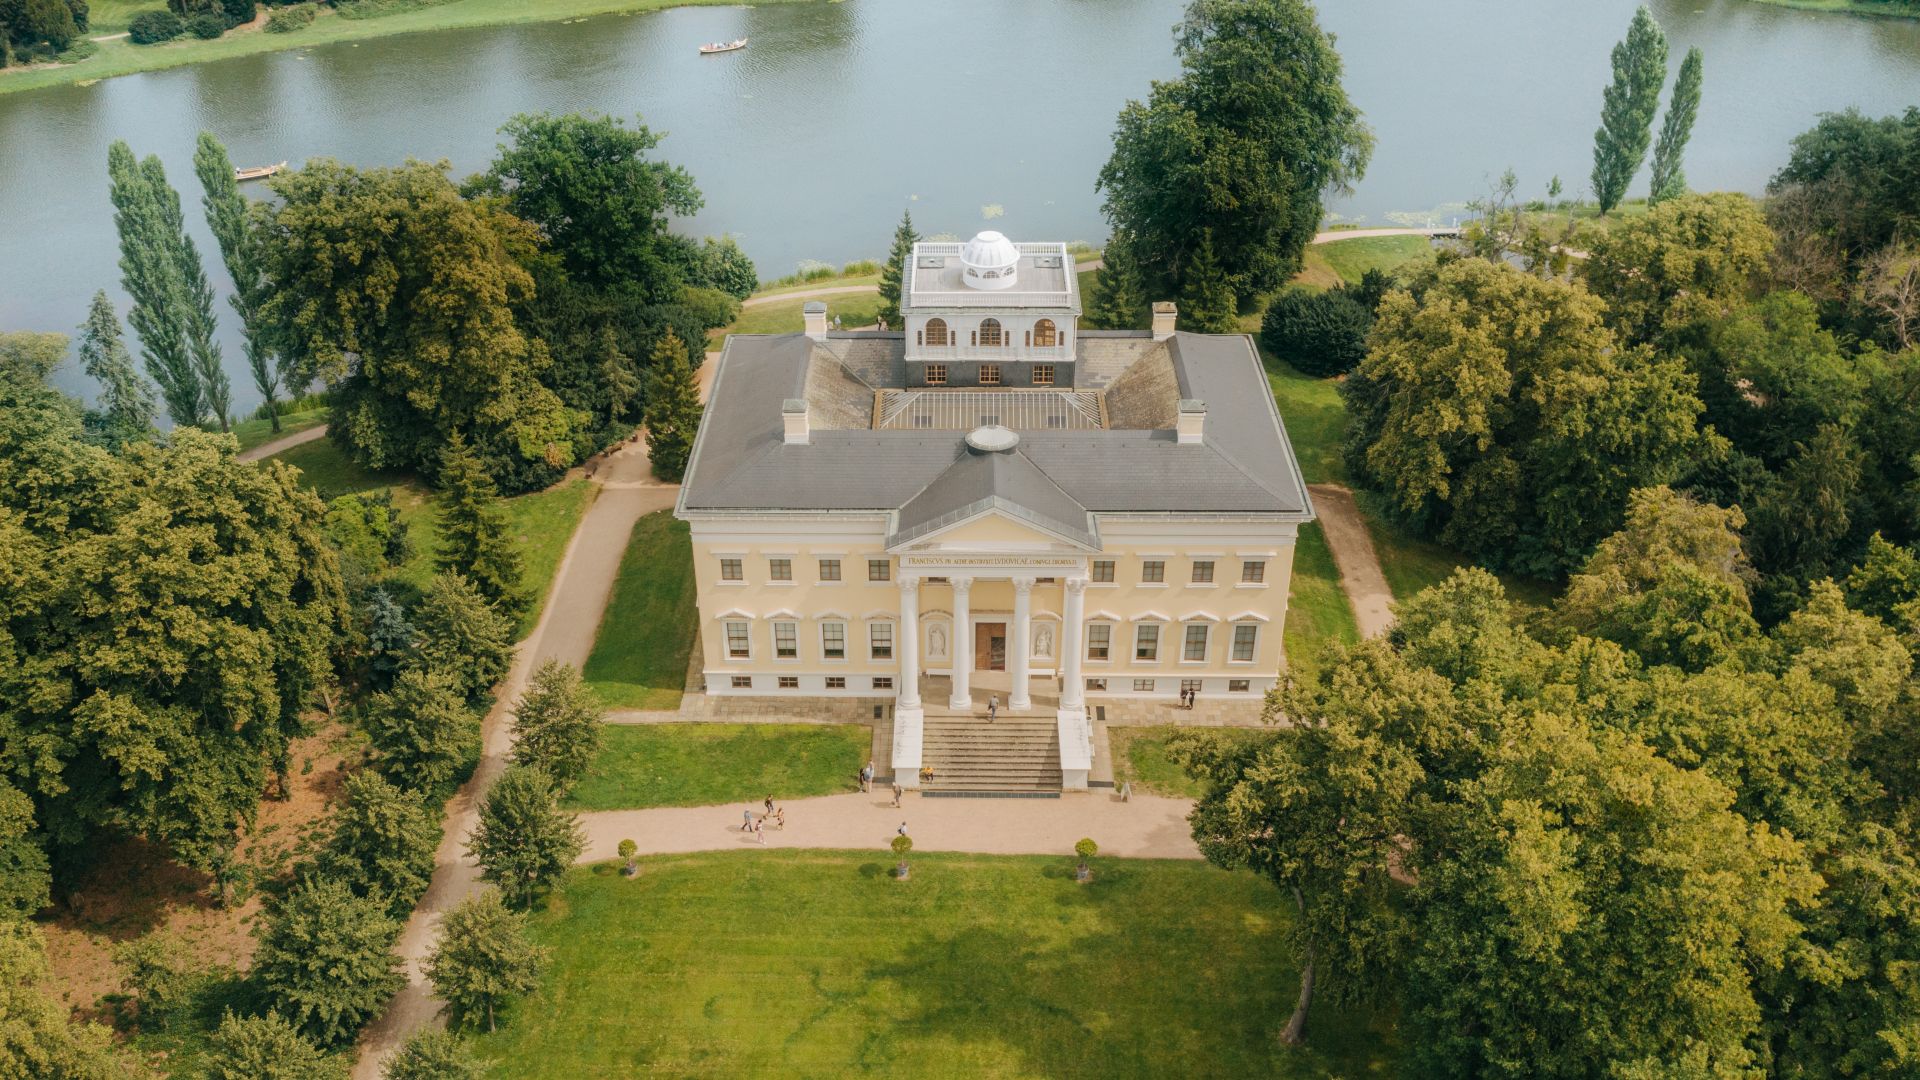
point(1360, 575)
point(285, 442)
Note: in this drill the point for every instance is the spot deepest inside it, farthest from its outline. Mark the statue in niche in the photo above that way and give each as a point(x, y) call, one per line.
point(1043, 640)
point(937, 640)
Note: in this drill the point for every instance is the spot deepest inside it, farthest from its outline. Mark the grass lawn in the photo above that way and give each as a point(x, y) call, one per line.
point(1316, 419)
point(1140, 758)
point(1411, 563)
point(639, 659)
point(701, 764)
point(818, 964)
point(1349, 259)
point(252, 433)
point(1318, 614)
point(783, 317)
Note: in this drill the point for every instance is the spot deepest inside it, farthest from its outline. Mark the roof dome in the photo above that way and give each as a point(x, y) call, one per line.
point(992, 439)
point(990, 260)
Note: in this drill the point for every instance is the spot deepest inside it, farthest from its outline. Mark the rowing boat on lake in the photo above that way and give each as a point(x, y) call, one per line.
point(258, 172)
point(722, 46)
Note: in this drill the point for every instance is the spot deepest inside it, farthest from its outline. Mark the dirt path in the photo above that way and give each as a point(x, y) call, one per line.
point(285, 442)
point(1147, 827)
point(1352, 546)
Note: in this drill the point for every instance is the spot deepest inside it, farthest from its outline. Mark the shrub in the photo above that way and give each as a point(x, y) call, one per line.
point(239, 12)
point(860, 268)
point(1317, 333)
point(711, 307)
point(286, 22)
point(154, 27)
point(207, 25)
point(725, 267)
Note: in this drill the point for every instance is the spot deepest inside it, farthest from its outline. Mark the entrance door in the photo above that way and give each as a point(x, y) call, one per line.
point(990, 646)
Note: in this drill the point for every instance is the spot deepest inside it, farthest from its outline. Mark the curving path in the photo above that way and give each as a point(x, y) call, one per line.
point(285, 442)
point(1353, 554)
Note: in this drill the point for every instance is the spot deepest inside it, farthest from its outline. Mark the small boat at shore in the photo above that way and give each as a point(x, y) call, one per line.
point(258, 172)
point(711, 48)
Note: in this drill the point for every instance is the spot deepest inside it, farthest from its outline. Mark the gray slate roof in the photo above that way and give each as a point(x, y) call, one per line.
point(1007, 481)
point(1245, 465)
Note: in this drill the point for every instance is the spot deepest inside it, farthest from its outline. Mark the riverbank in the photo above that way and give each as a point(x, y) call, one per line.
point(1884, 9)
point(119, 56)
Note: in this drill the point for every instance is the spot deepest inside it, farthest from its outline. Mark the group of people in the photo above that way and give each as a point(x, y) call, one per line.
point(1186, 698)
point(867, 775)
point(776, 816)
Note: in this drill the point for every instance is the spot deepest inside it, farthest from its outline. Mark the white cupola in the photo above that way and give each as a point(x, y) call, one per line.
point(990, 261)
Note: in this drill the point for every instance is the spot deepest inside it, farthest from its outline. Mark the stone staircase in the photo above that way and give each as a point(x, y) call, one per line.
point(1019, 754)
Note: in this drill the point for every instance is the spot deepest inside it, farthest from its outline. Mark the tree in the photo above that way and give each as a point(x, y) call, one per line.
point(523, 840)
point(1856, 184)
point(383, 842)
point(24, 870)
point(457, 633)
point(474, 541)
point(40, 27)
point(1245, 145)
point(422, 729)
point(325, 960)
point(1691, 258)
point(1317, 333)
point(1117, 300)
point(1887, 577)
point(893, 275)
point(1627, 109)
point(150, 274)
point(483, 959)
point(267, 1048)
point(159, 969)
point(1086, 849)
point(1207, 303)
point(38, 1040)
point(1669, 179)
point(628, 849)
point(389, 639)
point(434, 1055)
point(673, 409)
point(154, 26)
point(727, 268)
point(1890, 286)
point(125, 412)
point(556, 726)
point(228, 217)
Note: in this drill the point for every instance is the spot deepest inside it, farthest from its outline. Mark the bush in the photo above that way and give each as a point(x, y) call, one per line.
point(238, 12)
point(287, 21)
point(154, 27)
point(711, 308)
point(1317, 333)
point(207, 25)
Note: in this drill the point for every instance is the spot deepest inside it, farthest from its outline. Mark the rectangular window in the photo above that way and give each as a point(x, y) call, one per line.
point(730, 570)
point(1099, 641)
point(789, 682)
point(1097, 684)
point(883, 682)
point(880, 640)
point(936, 374)
point(1244, 637)
point(833, 640)
point(786, 641)
point(829, 569)
point(1143, 686)
point(1239, 686)
point(743, 682)
point(1196, 645)
point(1146, 642)
point(836, 682)
point(1203, 572)
point(780, 569)
point(1187, 685)
point(1043, 374)
point(737, 647)
point(989, 374)
point(1253, 571)
point(877, 569)
point(1153, 570)
point(1103, 569)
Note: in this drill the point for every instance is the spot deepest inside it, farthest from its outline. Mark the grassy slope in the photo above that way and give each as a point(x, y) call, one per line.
point(1318, 614)
point(810, 963)
point(639, 660)
point(252, 433)
point(1412, 564)
point(123, 57)
point(783, 317)
point(1140, 758)
point(1316, 420)
point(642, 765)
point(1852, 7)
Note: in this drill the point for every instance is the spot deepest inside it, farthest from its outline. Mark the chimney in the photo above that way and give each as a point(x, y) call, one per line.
point(1192, 420)
point(793, 412)
point(814, 316)
point(1164, 313)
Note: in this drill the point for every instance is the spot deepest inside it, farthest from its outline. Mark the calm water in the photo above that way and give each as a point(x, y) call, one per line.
point(808, 143)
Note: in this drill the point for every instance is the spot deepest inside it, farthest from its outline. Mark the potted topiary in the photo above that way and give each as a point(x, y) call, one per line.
point(1086, 849)
point(901, 845)
point(627, 848)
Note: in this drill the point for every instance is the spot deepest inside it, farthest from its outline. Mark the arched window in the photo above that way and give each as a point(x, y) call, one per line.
point(1044, 333)
point(991, 334)
point(936, 333)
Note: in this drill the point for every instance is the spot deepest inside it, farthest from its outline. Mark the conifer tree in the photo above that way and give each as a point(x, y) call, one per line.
point(422, 729)
point(1669, 179)
point(148, 272)
point(673, 408)
point(434, 1055)
point(557, 723)
point(326, 961)
point(1627, 109)
point(226, 211)
point(473, 530)
point(483, 959)
point(523, 840)
point(125, 413)
point(383, 841)
point(1116, 301)
point(893, 275)
point(389, 638)
point(456, 632)
point(1207, 304)
point(267, 1048)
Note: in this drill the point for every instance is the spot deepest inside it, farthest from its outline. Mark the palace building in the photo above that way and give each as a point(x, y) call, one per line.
point(990, 502)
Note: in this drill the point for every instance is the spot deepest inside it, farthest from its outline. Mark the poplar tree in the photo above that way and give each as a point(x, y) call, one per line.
point(1627, 109)
point(1207, 304)
point(148, 273)
point(893, 275)
point(1669, 179)
point(227, 216)
point(125, 412)
point(473, 531)
point(193, 295)
point(672, 414)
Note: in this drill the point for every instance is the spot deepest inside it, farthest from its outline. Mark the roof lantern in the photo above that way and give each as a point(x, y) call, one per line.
point(992, 439)
point(991, 261)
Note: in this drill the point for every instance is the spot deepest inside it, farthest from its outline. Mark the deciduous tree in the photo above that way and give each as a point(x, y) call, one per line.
point(1692, 257)
point(38, 1038)
point(159, 969)
point(1627, 109)
point(326, 961)
point(483, 960)
point(232, 225)
point(524, 841)
point(150, 274)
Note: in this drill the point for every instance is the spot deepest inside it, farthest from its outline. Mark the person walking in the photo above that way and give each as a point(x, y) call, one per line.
point(746, 821)
point(902, 830)
point(993, 706)
point(760, 833)
point(866, 777)
point(769, 804)
point(897, 792)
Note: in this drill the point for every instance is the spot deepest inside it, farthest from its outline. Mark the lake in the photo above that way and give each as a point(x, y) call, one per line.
point(973, 113)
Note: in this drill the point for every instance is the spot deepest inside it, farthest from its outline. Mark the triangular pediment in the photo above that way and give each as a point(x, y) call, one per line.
point(995, 529)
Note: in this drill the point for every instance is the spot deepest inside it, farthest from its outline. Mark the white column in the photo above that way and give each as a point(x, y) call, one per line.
point(1072, 648)
point(962, 645)
point(909, 643)
point(1020, 699)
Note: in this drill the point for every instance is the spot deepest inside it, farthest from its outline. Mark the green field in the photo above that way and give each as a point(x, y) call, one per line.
point(1318, 614)
point(639, 659)
point(703, 764)
point(819, 964)
point(855, 310)
point(1140, 758)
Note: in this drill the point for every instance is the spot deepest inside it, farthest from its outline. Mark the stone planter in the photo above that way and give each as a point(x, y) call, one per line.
point(900, 872)
point(1083, 874)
